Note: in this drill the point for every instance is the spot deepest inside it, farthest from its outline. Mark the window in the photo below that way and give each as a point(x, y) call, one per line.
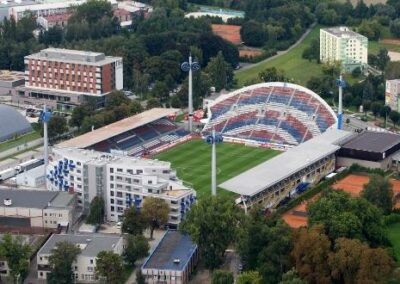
point(112, 201)
point(112, 209)
point(150, 182)
point(90, 269)
point(119, 170)
point(112, 193)
point(139, 172)
point(119, 194)
point(91, 261)
point(112, 170)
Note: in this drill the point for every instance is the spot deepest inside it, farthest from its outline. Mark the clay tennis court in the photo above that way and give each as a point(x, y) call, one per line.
point(352, 184)
point(297, 217)
point(249, 52)
point(229, 32)
point(391, 41)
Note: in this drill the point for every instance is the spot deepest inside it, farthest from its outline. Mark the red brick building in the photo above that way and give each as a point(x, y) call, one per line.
point(62, 78)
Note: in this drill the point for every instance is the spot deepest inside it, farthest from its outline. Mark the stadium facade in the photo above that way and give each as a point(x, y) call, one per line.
point(271, 114)
point(290, 172)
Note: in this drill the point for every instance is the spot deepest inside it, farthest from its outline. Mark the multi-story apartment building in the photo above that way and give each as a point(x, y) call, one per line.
point(84, 267)
point(121, 180)
point(63, 78)
point(340, 44)
point(392, 94)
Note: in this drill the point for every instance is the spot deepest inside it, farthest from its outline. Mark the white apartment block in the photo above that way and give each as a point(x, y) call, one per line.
point(392, 93)
point(122, 181)
point(343, 45)
point(85, 265)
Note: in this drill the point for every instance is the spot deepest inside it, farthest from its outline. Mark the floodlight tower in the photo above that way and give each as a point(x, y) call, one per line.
point(190, 66)
point(45, 116)
point(341, 84)
point(213, 139)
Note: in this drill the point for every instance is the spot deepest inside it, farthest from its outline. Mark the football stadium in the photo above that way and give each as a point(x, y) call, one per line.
point(255, 122)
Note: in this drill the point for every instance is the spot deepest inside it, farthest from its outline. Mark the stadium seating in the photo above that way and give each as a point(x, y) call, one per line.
point(271, 112)
point(144, 139)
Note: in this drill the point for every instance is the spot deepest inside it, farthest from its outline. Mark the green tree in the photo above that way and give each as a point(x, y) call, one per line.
point(96, 213)
point(139, 277)
point(136, 247)
point(376, 108)
point(57, 126)
point(249, 277)
point(394, 117)
point(212, 223)
point(155, 211)
point(356, 72)
point(395, 27)
point(291, 277)
point(222, 277)
point(152, 103)
point(17, 253)
point(385, 112)
point(312, 52)
point(379, 192)
point(133, 222)
point(265, 245)
point(382, 58)
point(78, 115)
point(272, 75)
point(115, 99)
point(344, 216)
point(160, 91)
point(311, 249)
point(60, 261)
point(220, 72)
point(109, 265)
point(371, 29)
point(253, 34)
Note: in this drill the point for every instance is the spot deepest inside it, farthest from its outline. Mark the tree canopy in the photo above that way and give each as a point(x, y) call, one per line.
point(109, 265)
point(379, 191)
point(96, 213)
point(156, 213)
point(60, 261)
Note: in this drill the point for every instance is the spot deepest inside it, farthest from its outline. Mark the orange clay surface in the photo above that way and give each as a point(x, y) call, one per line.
point(249, 52)
point(229, 32)
point(352, 184)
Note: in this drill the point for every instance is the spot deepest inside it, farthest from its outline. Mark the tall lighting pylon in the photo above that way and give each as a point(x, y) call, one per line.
point(341, 84)
point(213, 139)
point(190, 66)
point(45, 116)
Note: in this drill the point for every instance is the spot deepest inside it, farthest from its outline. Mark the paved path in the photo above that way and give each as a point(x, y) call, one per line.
point(279, 53)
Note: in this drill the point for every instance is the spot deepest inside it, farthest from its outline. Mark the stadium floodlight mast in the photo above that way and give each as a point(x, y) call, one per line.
point(190, 66)
point(341, 84)
point(213, 139)
point(45, 116)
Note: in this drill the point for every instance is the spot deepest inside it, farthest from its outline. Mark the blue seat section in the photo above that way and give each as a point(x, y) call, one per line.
point(282, 99)
point(292, 131)
point(126, 144)
point(181, 132)
point(302, 106)
point(272, 121)
point(146, 133)
point(257, 99)
point(321, 123)
point(239, 123)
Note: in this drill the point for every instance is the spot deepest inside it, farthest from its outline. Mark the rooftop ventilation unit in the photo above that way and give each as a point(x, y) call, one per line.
point(7, 202)
point(177, 261)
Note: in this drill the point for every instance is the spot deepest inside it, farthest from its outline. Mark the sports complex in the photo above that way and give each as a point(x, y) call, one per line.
point(279, 139)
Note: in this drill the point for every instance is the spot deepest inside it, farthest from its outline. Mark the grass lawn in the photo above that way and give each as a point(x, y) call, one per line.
point(394, 237)
point(295, 67)
point(192, 161)
point(19, 141)
point(374, 46)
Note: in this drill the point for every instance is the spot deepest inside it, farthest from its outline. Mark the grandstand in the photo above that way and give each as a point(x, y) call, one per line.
point(144, 133)
point(290, 172)
point(280, 113)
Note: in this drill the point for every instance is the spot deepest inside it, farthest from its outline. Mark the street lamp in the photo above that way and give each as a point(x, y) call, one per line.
point(190, 66)
point(45, 116)
point(213, 139)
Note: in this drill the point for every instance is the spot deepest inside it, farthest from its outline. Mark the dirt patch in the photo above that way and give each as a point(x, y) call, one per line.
point(394, 56)
point(393, 41)
point(228, 32)
point(249, 52)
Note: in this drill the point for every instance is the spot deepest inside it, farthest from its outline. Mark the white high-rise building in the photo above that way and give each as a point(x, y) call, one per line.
point(121, 180)
point(340, 44)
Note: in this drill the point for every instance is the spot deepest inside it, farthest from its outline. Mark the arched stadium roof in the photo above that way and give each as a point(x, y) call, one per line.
point(12, 123)
point(275, 112)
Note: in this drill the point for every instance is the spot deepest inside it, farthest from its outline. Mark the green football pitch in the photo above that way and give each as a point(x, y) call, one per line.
point(192, 161)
